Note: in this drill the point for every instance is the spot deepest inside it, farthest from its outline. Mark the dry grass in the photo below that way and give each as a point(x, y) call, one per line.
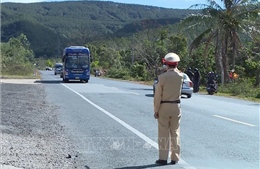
point(32, 76)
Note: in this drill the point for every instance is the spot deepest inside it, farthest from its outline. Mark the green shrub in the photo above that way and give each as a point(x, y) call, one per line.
point(258, 96)
point(257, 93)
point(139, 72)
point(243, 87)
point(126, 77)
point(118, 73)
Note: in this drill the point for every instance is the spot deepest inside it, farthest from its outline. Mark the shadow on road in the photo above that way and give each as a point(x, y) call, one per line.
point(48, 81)
point(140, 89)
point(139, 167)
point(254, 104)
point(55, 81)
point(149, 95)
point(87, 167)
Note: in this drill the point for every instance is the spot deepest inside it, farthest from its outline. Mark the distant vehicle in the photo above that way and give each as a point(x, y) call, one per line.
point(212, 83)
point(58, 68)
point(48, 68)
point(97, 73)
point(187, 86)
point(76, 64)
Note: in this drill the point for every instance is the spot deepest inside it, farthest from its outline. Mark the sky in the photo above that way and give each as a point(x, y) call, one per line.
point(180, 4)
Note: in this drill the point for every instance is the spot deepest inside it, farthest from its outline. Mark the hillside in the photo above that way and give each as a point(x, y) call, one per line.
point(77, 22)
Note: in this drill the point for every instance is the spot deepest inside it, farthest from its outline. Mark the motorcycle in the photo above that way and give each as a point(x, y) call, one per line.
point(212, 88)
point(97, 73)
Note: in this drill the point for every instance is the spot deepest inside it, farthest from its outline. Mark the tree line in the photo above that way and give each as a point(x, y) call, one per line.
point(59, 24)
point(217, 39)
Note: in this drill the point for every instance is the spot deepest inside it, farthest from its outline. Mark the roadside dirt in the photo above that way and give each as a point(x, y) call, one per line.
point(31, 136)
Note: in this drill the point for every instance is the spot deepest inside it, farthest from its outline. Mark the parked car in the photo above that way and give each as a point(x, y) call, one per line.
point(187, 86)
point(48, 68)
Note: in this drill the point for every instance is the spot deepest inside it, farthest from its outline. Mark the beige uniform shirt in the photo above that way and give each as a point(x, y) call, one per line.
point(168, 87)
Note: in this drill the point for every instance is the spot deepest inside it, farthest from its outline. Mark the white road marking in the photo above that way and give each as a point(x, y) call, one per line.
point(133, 93)
point(114, 88)
point(126, 92)
point(138, 133)
point(236, 121)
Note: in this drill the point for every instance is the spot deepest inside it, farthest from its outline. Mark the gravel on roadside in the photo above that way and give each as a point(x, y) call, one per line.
point(31, 136)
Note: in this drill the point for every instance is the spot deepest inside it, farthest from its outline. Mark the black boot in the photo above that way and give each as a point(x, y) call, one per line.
point(161, 162)
point(174, 162)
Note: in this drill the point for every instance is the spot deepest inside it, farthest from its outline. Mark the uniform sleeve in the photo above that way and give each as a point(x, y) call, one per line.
point(158, 95)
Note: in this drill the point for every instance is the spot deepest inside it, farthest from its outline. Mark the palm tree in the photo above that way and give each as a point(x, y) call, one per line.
point(223, 28)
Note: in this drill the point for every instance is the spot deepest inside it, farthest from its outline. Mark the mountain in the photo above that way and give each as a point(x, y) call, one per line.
point(78, 22)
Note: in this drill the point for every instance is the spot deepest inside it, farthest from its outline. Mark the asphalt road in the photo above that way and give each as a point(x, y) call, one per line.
point(112, 125)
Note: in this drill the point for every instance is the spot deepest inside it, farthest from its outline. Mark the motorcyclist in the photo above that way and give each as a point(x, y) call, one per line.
point(211, 80)
point(97, 73)
point(190, 73)
point(196, 80)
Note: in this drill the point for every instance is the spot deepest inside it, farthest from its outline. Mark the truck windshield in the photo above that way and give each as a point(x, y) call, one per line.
point(58, 66)
point(80, 61)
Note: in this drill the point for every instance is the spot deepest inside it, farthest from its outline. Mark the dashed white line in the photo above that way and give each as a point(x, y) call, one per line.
point(236, 121)
point(184, 164)
point(124, 91)
point(133, 93)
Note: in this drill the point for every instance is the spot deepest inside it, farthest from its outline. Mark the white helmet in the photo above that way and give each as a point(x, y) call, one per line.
point(171, 58)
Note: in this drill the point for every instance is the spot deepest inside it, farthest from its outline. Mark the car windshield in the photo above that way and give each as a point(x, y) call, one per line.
point(58, 66)
point(80, 61)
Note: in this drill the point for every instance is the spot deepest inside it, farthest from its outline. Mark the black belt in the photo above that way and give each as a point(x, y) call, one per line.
point(176, 101)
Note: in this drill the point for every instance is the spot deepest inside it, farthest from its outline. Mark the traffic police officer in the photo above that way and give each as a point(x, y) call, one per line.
point(167, 110)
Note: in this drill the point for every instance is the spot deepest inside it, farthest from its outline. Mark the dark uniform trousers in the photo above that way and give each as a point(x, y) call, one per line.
point(168, 90)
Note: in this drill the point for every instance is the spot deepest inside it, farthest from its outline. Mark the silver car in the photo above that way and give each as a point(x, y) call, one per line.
point(187, 86)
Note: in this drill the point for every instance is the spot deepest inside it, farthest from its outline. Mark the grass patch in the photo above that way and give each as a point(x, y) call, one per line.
point(24, 76)
point(241, 89)
point(227, 93)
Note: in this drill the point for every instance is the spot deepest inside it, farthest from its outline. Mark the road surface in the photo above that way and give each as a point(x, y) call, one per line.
point(112, 125)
